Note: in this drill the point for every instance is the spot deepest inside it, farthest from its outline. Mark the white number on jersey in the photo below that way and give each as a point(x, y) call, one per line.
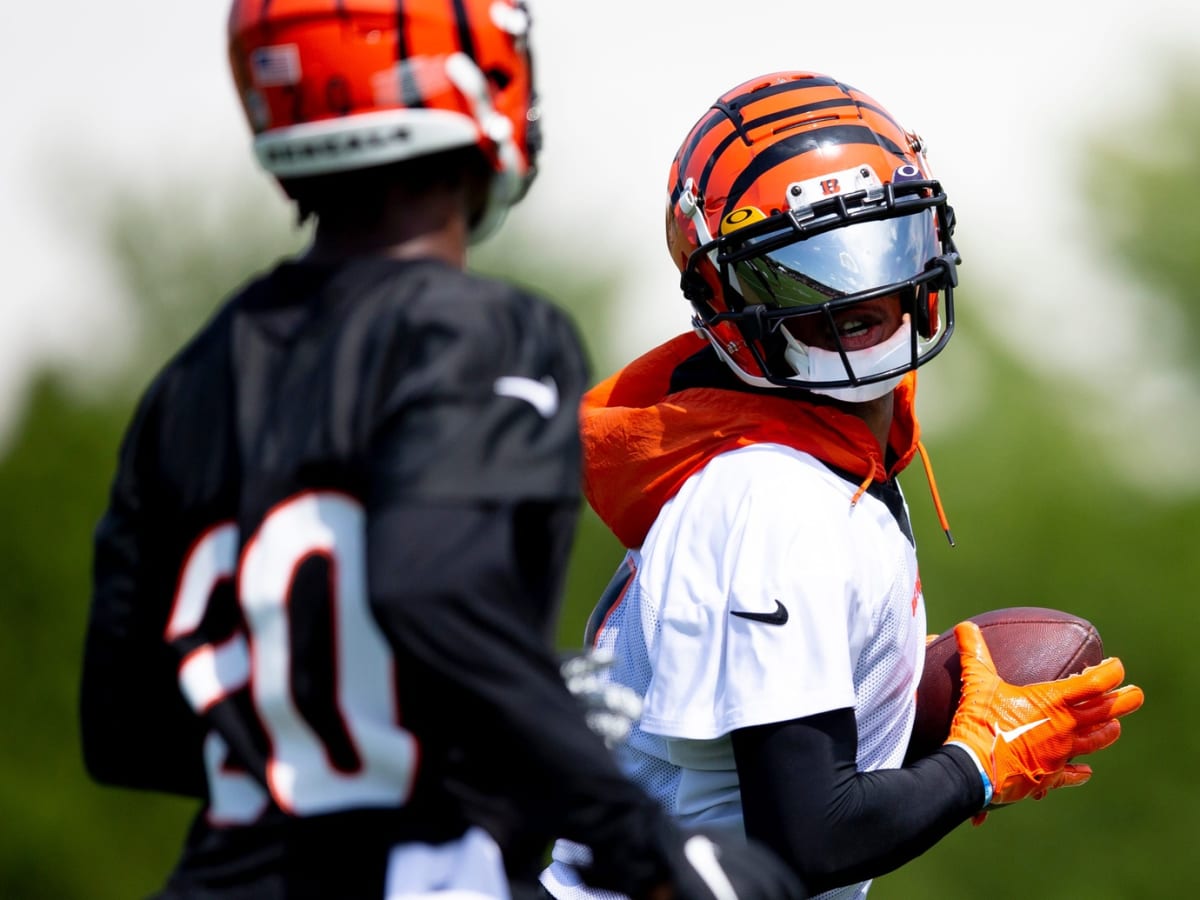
point(300, 775)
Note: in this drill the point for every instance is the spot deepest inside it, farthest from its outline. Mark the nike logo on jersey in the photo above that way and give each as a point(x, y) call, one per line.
point(779, 617)
point(1013, 733)
point(541, 395)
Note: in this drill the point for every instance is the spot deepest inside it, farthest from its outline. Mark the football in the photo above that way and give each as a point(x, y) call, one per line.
point(1028, 644)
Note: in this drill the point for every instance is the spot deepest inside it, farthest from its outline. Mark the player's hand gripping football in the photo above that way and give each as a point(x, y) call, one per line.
point(1024, 737)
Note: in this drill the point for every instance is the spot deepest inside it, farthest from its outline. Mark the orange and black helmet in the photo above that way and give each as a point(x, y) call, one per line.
point(796, 195)
point(334, 85)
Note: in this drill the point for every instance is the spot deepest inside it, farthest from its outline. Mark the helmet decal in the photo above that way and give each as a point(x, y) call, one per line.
point(740, 218)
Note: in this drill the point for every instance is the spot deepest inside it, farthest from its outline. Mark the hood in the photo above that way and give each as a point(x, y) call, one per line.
point(644, 434)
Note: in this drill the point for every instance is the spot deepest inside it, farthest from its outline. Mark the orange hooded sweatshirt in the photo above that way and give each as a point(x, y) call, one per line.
point(641, 441)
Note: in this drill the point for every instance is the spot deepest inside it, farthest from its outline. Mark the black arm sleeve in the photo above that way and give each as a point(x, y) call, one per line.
point(804, 797)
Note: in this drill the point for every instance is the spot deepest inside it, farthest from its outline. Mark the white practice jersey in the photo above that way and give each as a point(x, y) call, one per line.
point(761, 594)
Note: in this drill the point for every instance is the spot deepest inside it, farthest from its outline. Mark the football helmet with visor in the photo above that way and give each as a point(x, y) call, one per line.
point(815, 247)
point(335, 85)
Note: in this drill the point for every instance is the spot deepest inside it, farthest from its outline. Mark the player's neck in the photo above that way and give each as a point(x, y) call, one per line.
point(877, 414)
point(433, 227)
point(427, 245)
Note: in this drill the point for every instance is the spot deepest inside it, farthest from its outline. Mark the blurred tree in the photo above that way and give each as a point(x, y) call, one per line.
point(63, 837)
point(1141, 180)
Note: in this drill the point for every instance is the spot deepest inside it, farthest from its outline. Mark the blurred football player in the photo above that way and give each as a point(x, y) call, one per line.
point(769, 609)
point(326, 581)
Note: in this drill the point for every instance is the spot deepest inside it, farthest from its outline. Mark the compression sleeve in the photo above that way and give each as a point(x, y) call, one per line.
point(803, 796)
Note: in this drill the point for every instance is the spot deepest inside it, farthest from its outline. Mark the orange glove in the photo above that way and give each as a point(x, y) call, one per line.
point(1022, 738)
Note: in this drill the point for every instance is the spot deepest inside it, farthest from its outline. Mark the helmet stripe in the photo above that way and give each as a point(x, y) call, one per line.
point(731, 109)
point(466, 40)
point(770, 90)
point(410, 91)
point(721, 113)
point(881, 112)
point(767, 120)
point(707, 124)
point(724, 106)
point(401, 31)
point(793, 146)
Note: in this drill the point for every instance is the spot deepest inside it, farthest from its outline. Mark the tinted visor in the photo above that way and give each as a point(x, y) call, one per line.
point(849, 260)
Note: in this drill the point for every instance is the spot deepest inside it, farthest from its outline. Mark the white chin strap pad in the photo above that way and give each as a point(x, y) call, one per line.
point(862, 393)
point(812, 364)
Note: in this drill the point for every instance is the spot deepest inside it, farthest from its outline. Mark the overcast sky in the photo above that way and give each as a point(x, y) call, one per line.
point(1001, 93)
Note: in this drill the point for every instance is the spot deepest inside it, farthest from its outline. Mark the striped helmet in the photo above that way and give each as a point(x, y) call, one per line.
point(797, 206)
point(334, 85)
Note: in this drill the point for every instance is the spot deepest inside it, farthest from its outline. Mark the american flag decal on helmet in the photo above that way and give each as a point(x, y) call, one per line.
point(275, 66)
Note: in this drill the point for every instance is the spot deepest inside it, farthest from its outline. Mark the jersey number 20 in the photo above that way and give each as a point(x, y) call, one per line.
point(301, 778)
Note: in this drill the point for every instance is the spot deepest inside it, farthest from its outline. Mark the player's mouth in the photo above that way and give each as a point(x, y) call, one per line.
point(857, 331)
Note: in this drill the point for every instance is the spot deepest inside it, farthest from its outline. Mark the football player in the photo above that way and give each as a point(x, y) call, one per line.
point(326, 580)
point(769, 609)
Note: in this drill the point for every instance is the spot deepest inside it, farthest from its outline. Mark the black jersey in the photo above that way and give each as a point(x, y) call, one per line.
point(325, 584)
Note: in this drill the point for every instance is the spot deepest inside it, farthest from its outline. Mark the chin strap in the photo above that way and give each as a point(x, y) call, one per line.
point(933, 490)
point(505, 188)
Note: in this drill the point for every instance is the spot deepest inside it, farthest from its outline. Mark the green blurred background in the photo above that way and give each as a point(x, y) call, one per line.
point(1047, 508)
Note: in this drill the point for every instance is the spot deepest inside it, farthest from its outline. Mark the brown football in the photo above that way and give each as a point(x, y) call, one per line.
point(1028, 644)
